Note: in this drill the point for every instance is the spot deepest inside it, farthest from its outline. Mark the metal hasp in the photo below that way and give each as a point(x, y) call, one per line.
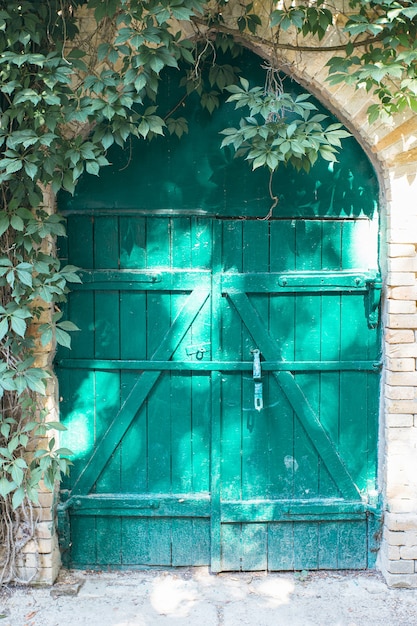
point(257, 377)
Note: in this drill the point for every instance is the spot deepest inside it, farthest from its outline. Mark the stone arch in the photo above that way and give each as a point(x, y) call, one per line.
point(392, 148)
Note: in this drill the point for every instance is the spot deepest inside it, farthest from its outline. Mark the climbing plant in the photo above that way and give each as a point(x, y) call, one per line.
point(69, 89)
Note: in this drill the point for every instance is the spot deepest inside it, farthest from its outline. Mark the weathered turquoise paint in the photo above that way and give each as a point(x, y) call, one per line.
point(174, 464)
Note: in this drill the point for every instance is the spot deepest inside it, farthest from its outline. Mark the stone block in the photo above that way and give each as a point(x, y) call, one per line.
point(401, 505)
point(406, 581)
point(406, 436)
point(400, 393)
point(399, 420)
point(403, 264)
point(401, 350)
point(402, 235)
point(42, 514)
point(43, 546)
point(402, 321)
point(401, 365)
point(402, 306)
point(401, 406)
point(401, 278)
point(408, 552)
point(34, 561)
point(402, 379)
point(401, 250)
point(399, 336)
point(395, 538)
point(44, 530)
point(400, 567)
point(404, 293)
point(392, 553)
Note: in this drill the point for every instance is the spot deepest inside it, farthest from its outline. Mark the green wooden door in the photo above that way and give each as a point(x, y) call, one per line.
point(176, 461)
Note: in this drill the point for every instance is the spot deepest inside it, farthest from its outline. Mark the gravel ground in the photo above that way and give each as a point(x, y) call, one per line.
point(194, 597)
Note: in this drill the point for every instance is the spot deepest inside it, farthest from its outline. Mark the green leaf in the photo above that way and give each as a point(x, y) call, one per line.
point(92, 167)
point(13, 165)
point(18, 497)
point(55, 426)
point(68, 326)
point(4, 327)
point(6, 487)
point(4, 222)
point(64, 451)
point(18, 325)
point(63, 338)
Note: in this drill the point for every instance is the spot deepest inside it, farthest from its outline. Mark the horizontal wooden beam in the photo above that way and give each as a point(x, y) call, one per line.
point(198, 505)
point(300, 281)
point(218, 366)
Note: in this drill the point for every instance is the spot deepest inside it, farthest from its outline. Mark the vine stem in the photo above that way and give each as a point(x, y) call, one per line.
point(275, 199)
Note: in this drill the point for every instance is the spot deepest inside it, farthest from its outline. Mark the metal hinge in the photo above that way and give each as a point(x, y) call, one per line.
point(373, 302)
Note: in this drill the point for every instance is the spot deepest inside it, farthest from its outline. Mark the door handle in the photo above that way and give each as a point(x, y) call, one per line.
point(257, 377)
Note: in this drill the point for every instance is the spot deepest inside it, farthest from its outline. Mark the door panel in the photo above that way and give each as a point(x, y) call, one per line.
point(170, 471)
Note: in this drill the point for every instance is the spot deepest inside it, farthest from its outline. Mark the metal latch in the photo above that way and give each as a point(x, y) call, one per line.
point(198, 349)
point(257, 377)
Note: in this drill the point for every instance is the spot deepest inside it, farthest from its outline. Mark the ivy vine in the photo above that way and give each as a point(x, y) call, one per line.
point(67, 95)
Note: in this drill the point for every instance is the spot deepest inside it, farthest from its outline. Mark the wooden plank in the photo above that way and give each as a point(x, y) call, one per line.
point(133, 331)
point(296, 398)
point(231, 548)
point(254, 542)
point(281, 546)
point(159, 537)
point(107, 346)
point(255, 253)
point(78, 416)
point(80, 249)
point(373, 391)
point(261, 510)
point(81, 312)
point(181, 242)
point(165, 279)
point(180, 383)
point(208, 365)
point(307, 347)
point(282, 330)
point(158, 242)
point(83, 542)
point(214, 405)
point(201, 432)
point(106, 242)
point(146, 541)
point(353, 545)
point(293, 282)
point(331, 246)
point(328, 550)
point(132, 238)
point(139, 393)
point(190, 542)
point(353, 399)
point(306, 540)
point(330, 381)
point(159, 505)
point(201, 243)
point(108, 539)
point(107, 404)
point(135, 541)
point(181, 433)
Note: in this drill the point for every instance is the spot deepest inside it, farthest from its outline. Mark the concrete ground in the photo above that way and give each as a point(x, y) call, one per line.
point(194, 597)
